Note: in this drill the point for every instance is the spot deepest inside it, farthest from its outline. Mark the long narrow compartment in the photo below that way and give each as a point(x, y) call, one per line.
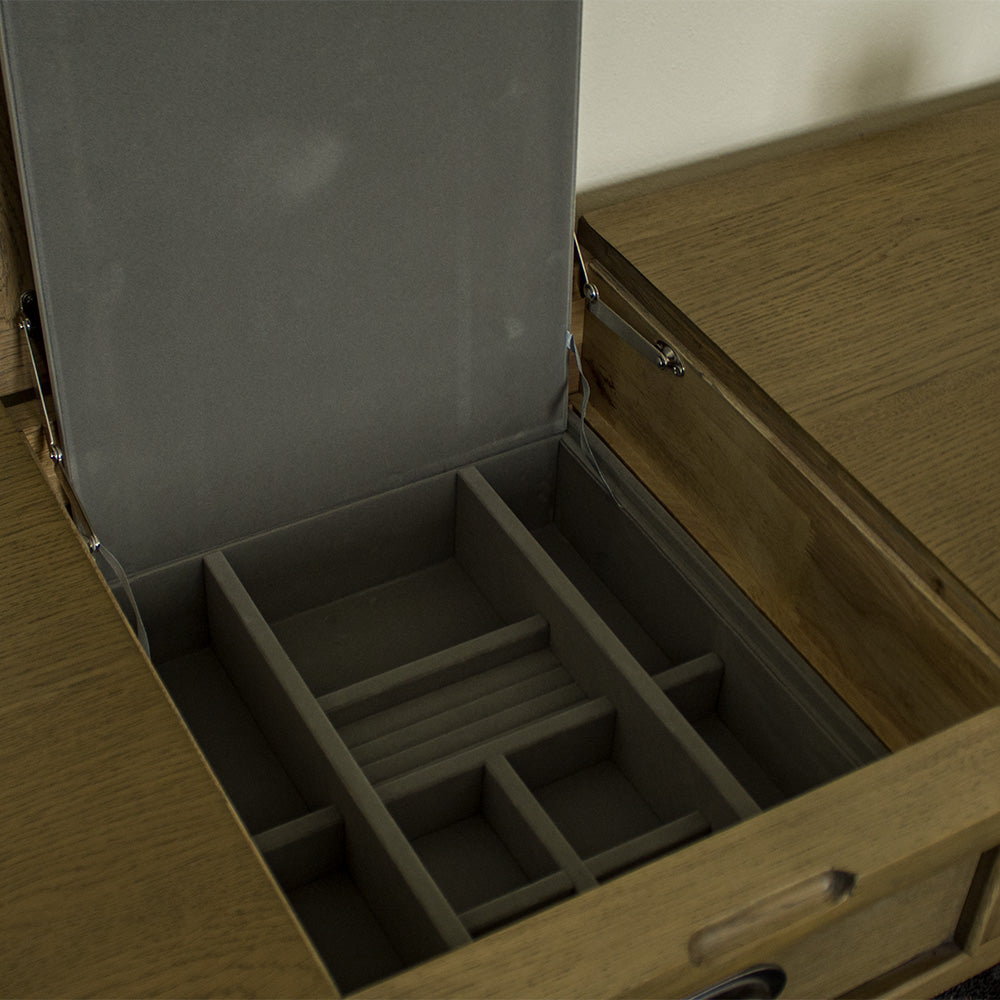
point(451, 705)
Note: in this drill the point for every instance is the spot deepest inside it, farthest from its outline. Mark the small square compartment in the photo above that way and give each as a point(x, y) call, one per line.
point(613, 814)
point(480, 849)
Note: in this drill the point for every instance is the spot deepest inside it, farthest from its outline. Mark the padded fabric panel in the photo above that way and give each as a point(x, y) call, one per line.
point(290, 254)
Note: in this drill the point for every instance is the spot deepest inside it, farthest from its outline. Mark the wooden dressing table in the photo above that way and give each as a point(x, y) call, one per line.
point(831, 447)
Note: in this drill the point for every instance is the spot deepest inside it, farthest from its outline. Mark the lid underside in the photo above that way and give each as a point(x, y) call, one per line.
point(291, 254)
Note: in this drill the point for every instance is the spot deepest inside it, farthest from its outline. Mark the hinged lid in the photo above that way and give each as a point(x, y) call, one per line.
point(290, 254)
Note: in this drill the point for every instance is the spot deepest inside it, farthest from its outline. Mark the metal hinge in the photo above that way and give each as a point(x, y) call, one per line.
point(30, 325)
point(660, 353)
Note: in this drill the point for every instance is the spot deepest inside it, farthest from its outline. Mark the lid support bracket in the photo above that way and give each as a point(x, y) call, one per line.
point(661, 353)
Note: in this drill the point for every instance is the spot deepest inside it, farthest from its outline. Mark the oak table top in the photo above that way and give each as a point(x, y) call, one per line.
point(124, 871)
point(858, 287)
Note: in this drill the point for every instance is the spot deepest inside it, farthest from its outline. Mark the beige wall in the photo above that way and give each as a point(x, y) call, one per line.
point(666, 82)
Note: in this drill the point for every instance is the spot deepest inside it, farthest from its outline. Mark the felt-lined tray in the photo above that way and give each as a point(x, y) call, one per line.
point(452, 705)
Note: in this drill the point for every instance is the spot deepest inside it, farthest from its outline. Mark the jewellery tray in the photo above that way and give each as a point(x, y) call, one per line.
point(449, 672)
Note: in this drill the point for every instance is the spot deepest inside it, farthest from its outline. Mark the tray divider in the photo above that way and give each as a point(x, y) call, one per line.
point(304, 848)
point(519, 577)
point(528, 811)
point(693, 686)
point(552, 727)
point(517, 903)
point(649, 845)
point(419, 677)
point(412, 908)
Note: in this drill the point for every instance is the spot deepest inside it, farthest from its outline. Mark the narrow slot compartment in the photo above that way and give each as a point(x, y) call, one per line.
point(552, 728)
point(474, 733)
point(490, 863)
point(426, 675)
point(501, 685)
point(462, 704)
point(590, 793)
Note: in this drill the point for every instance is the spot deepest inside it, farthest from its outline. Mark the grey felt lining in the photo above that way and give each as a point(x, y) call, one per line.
point(677, 593)
point(450, 696)
point(597, 808)
point(552, 732)
point(695, 687)
point(514, 825)
point(463, 704)
point(481, 845)
point(602, 600)
point(517, 903)
point(412, 168)
point(385, 626)
point(349, 936)
point(659, 746)
point(776, 726)
point(473, 733)
point(464, 736)
point(555, 844)
point(652, 844)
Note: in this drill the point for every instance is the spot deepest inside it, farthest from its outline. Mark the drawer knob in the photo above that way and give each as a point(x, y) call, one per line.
point(762, 982)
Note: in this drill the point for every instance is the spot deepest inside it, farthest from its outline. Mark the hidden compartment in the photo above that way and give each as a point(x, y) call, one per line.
point(449, 706)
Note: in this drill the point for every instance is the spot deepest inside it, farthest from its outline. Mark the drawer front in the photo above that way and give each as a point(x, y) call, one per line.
point(907, 831)
point(867, 942)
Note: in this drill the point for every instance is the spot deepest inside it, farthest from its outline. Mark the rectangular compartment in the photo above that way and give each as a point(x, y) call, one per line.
point(491, 864)
point(611, 814)
point(315, 864)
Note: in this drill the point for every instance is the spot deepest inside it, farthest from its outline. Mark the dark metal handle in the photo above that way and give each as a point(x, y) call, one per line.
point(762, 982)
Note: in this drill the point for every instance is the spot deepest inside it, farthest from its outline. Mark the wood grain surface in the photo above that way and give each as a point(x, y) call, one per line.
point(857, 291)
point(124, 870)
